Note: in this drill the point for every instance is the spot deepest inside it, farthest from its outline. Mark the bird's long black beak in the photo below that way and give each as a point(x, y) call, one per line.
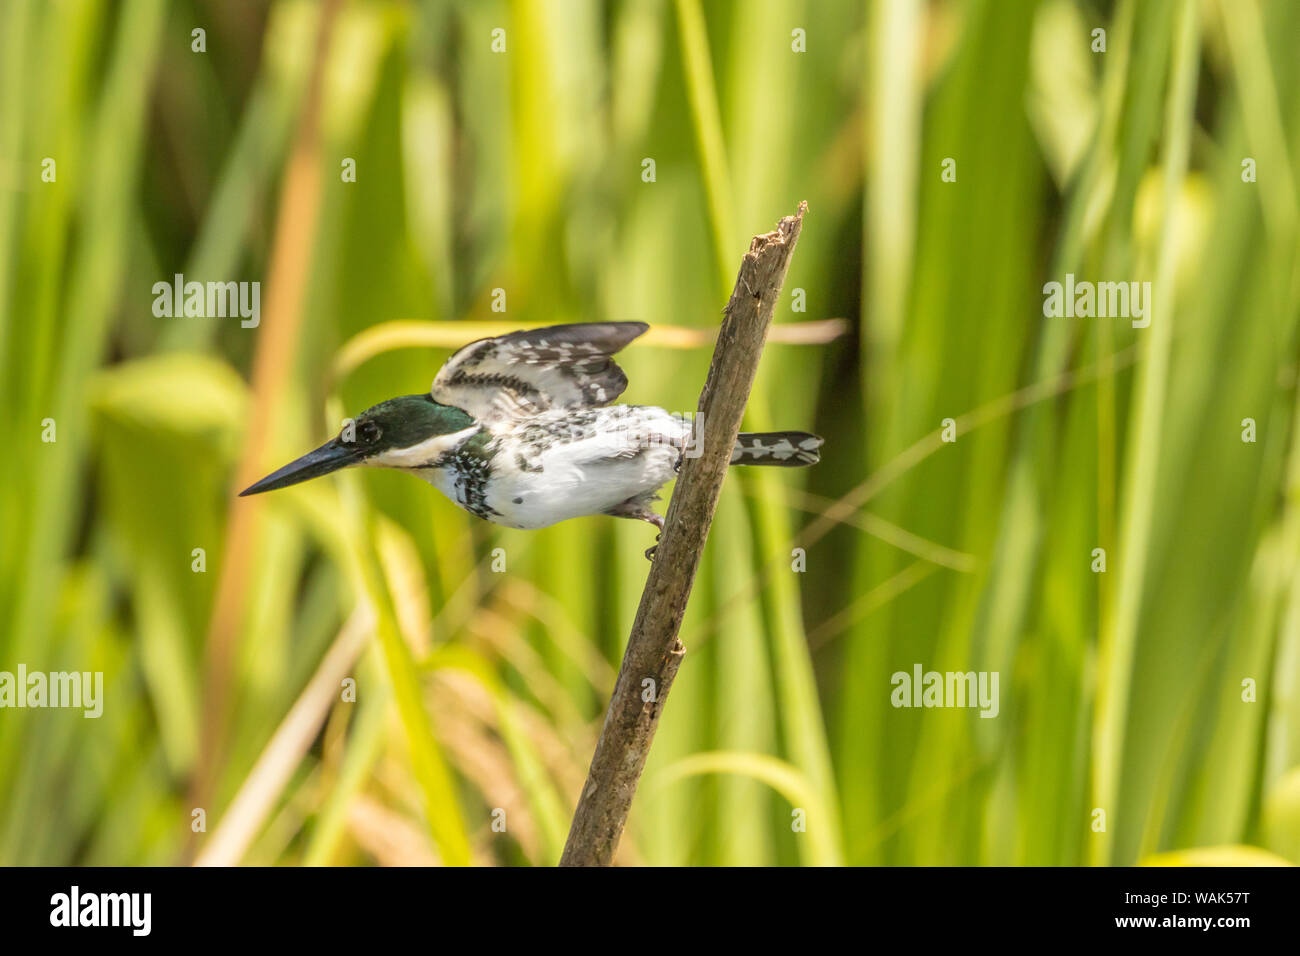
point(331, 456)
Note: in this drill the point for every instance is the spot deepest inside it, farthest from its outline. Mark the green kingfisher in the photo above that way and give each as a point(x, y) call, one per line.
point(518, 430)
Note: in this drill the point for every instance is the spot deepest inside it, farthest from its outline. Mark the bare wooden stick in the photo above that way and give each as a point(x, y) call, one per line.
point(653, 651)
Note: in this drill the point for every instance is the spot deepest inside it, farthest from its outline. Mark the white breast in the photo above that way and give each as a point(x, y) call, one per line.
point(585, 477)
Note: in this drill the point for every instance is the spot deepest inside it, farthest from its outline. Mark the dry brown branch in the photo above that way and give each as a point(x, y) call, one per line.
point(653, 651)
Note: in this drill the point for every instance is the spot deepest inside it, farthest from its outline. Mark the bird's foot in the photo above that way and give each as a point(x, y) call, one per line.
point(650, 551)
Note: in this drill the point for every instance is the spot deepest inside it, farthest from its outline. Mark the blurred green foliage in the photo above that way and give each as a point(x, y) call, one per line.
point(479, 691)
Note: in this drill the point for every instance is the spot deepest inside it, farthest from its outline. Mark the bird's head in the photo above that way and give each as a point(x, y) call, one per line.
point(410, 431)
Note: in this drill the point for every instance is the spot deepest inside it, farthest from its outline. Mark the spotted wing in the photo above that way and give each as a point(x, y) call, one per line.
point(537, 370)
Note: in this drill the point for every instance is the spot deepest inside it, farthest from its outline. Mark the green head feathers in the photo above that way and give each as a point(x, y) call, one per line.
point(378, 436)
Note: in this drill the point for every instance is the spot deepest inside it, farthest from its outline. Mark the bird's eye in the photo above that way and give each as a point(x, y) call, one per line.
point(369, 432)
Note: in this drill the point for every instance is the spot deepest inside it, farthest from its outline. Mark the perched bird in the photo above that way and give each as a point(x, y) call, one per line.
point(518, 430)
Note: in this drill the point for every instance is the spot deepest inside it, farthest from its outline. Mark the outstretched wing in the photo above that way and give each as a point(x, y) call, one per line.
point(536, 370)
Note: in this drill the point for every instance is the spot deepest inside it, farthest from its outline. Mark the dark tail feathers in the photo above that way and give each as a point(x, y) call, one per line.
point(787, 449)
